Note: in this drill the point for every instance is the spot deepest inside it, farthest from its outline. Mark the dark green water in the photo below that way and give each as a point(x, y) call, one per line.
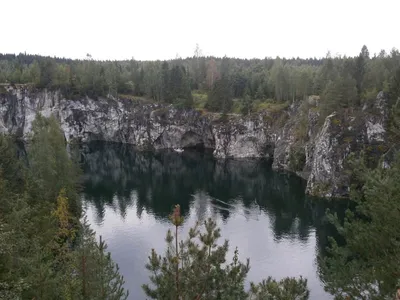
point(128, 196)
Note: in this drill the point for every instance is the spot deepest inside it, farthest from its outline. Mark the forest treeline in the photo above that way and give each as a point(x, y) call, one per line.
point(217, 84)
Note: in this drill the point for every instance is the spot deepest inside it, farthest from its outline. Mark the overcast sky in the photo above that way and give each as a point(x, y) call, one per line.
point(161, 29)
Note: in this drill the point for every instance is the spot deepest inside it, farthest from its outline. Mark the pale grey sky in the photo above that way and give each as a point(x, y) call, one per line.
point(161, 29)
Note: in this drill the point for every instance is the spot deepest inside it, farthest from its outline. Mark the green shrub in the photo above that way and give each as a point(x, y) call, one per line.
point(348, 139)
point(199, 99)
point(297, 159)
point(183, 103)
point(370, 94)
point(237, 107)
point(270, 106)
point(3, 90)
point(300, 131)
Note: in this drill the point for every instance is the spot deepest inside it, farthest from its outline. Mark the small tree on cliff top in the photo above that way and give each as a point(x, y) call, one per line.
point(196, 268)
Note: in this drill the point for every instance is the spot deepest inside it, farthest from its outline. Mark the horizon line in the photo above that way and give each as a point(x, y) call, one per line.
point(336, 55)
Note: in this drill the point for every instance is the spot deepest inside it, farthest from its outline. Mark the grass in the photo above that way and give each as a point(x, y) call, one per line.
point(199, 99)
point(259, 105)
point(135, 98)
point(269, 105)
point(237, 106)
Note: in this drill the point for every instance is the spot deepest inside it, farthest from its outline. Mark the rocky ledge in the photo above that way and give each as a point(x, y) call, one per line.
point(296, 139)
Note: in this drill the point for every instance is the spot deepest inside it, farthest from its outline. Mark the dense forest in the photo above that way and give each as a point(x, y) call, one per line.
point(46, 250)
point(216, 84)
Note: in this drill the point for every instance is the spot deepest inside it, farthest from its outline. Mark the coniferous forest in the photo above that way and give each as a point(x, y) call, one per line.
point(48, 251)
point(216, 84)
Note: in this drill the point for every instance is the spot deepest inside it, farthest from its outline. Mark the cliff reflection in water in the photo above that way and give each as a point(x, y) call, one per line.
point(112, 172)
point(264, 213)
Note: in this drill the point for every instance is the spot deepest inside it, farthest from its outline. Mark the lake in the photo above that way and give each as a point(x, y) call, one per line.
point(128, 196)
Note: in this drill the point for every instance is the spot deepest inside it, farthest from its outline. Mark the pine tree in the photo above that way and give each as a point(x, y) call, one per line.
point(285, 289)
point(195, 268)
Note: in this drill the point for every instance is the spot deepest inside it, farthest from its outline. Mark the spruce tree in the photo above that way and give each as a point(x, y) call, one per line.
point(97, 275)
point(367, 266)
point(50, 168)
point(220, 96)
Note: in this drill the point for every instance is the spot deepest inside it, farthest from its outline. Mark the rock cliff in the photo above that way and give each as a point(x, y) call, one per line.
point(295, 139)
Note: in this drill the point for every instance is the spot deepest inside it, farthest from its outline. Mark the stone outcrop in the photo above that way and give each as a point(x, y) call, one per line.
point(294, 138)
point(343, 134)
point(239, 137)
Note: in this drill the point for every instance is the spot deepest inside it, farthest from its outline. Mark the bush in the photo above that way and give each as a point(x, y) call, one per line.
point(370, 94)
point(270, 106)
point(183, 103)
point(199, 99)
point(297, 159)
point(237, 106)
point(300, 132)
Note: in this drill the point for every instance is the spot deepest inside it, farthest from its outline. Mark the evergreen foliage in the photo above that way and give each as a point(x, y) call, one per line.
point(340, 81)
point(196, 268)
point(48, 251)
point(42, 241)
point(367, 266)
point(220, 98)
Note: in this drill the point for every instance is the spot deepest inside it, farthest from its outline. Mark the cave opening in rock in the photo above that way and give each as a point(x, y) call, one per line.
point(198, 147)
point(195, 142)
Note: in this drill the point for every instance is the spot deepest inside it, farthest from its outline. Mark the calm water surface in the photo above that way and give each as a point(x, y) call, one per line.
point(128, 196)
